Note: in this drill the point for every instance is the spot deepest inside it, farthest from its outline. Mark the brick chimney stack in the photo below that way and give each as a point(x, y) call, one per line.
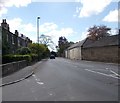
point(5, 25)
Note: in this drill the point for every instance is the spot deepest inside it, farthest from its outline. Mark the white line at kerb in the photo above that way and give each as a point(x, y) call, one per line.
point(112, 72)
point(102, 73)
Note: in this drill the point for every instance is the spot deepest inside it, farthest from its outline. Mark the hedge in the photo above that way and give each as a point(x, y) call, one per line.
point(12, 58)
point(34, 57)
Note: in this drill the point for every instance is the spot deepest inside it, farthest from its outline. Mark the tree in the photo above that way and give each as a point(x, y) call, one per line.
point(40, 49)
point(63, 45)
point(47, 40)
point(35, 47)
point(97, 32)
point(23, 51)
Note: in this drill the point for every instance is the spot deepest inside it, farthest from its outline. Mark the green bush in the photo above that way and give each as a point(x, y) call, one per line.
point(34, 57)
point(27, 58)
point(12, 58)
point(7, 58)
point(23, 51)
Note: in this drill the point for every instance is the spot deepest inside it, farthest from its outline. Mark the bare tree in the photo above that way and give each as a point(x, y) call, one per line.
point(47, 40)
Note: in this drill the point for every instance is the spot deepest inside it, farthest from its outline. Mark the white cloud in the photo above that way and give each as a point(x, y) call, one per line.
point(112, 16)
point(84, 34)
point(92, 7)
point(16, 3)
point(14, 24)
point(54, 1)
point(48, 27)
point(51, 29)
point(4, 4)
point(30, 30)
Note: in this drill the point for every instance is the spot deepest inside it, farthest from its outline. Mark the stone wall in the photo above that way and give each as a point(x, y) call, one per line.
point(77, 53)
point(74, 53)
point(9, 68)
point(104, 54)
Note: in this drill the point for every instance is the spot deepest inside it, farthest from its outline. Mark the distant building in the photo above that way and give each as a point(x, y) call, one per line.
point(74, 51)
point(12, 41)
point(105, 49)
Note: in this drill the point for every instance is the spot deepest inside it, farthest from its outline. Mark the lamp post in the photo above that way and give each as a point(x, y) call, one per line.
point(38, 29)
point(38, 35)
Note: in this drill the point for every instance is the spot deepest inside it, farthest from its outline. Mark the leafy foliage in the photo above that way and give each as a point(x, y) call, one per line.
point(97, 32)
point(63, 45)
point(12, 58)
point(23, 51)
point(40, 49)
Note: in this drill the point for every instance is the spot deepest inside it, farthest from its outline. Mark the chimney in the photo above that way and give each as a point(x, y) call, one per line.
point(5, 25)
point(21, 35)
point(5, 20)
point(16, 32)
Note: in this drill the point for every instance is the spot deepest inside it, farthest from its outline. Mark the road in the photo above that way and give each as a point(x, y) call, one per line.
point(66, 80)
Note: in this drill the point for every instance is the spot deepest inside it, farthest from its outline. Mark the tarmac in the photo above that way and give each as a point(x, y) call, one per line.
point(19, 75)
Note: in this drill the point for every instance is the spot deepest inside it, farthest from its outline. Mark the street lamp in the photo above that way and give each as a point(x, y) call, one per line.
point(38, 35)
point(38, 29)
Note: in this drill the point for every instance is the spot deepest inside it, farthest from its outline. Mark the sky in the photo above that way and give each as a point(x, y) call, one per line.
point(69, 18)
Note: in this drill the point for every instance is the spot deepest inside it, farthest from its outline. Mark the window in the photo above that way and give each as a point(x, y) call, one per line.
point(13, 42)
point(7, 37)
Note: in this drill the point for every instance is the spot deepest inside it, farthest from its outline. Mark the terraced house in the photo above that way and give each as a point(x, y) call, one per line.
point(12, 41)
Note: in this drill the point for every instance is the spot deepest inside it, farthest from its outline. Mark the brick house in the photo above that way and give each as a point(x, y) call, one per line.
point(13, 41)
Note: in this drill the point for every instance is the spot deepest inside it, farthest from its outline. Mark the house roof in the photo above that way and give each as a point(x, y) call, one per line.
point(79, 44)
point(105, 41)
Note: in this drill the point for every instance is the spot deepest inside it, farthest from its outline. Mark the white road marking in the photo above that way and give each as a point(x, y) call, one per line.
point(107, 68)
point(41, 83)
point(33, 75)
point(103, 74)
point(51, 94)
point(37, 80)
point(113, 72)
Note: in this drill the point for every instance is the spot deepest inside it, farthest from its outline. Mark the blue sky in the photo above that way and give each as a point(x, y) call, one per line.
point(69, 19)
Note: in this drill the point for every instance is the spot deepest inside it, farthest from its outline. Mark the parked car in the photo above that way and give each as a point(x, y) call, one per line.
point(52, 56)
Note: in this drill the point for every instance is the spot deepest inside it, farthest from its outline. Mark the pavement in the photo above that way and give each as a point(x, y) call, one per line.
point(19, 75)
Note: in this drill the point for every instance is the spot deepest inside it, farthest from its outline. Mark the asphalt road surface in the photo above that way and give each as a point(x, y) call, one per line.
point(66, 80)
